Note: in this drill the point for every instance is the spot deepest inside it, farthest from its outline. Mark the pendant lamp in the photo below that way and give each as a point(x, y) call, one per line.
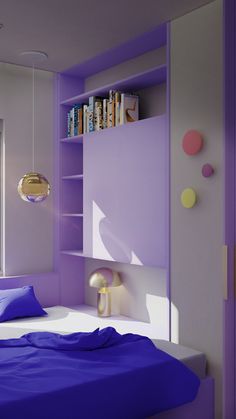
point(33, 186)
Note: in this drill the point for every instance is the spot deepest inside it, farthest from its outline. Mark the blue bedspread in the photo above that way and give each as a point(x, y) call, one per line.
point(98, 375)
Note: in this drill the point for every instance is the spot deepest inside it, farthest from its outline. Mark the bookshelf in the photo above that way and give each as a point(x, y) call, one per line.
point(80, 171)
point(145, 79)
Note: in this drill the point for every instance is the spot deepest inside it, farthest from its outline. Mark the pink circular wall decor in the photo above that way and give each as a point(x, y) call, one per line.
point(207, 170)
point(192, 142)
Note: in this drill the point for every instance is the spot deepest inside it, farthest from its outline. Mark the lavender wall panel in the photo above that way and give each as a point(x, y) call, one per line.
point(72, 196)
point(71, 232)
point(71, 280)
point(46, 286)
point(125, 193)
point(71, 158)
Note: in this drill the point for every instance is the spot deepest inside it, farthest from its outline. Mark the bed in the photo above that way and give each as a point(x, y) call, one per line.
point(64, 320)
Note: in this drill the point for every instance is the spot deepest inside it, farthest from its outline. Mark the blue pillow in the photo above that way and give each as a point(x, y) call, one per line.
point(19, 302)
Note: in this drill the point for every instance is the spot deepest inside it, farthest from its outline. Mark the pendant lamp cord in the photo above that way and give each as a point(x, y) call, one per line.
point(33, 112)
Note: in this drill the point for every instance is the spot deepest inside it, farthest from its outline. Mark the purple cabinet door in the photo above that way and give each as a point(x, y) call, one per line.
point(126, 193)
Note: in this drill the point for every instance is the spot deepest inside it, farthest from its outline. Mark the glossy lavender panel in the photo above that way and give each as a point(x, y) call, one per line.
point(137, 46)
point(125, 193)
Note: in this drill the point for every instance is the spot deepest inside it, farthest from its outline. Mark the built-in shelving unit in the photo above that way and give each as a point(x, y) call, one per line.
point(73, 91)
point(142, 80)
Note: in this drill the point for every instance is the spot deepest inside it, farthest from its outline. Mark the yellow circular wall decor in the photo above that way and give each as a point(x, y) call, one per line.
point(188, 198)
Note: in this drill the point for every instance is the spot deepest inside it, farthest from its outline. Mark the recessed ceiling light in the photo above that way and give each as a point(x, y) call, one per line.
point(34, 57)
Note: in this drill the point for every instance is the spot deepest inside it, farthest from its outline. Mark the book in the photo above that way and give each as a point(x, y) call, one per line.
point(87, 119)
point(80, 120)
point(68, 124)
point(90, 120)
point(76, 109)
point(85, 109)
point(72, 115)
point(129, 108)
point(91, 113)
point(111, 109)
point(98, 120)
point(104, 112)
point(92, 101)
point(117, 108)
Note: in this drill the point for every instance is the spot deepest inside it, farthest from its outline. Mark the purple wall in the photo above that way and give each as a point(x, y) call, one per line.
point(46, 286)
point(71, 280)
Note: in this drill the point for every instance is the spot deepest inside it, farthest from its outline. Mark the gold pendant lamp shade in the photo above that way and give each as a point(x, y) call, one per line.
point(33, 187)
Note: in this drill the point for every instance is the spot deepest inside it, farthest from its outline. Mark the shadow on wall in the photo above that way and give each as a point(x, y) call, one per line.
point(107, 241)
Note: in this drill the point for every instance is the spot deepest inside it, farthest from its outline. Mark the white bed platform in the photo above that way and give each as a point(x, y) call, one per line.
point(84, 319)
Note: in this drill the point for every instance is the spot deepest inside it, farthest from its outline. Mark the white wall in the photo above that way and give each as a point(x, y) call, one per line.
point(197, 234)
point(29, 227)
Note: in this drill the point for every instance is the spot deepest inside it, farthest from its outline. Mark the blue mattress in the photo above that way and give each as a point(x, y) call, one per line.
point(97, 375)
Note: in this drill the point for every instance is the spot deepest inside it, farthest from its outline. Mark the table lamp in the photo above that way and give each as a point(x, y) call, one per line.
point(104, 279)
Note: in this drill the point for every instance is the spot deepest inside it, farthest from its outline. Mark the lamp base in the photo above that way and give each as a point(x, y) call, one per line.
point(104, 302)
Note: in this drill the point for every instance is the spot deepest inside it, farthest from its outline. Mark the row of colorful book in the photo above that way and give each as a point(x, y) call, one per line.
point(101, 113)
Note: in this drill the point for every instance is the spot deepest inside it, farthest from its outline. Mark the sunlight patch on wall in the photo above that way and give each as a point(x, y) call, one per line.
point(174, 324)
point(158, 310)
point(135, 260)
point(98, 248)
point(107, 241)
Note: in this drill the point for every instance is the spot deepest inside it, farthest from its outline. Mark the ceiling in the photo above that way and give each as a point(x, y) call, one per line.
point(72, 31)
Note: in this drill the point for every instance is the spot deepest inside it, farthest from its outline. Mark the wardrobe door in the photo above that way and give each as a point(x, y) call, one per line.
point(229, 247)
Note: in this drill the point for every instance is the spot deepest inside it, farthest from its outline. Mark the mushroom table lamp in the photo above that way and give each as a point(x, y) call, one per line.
point(104, 279)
